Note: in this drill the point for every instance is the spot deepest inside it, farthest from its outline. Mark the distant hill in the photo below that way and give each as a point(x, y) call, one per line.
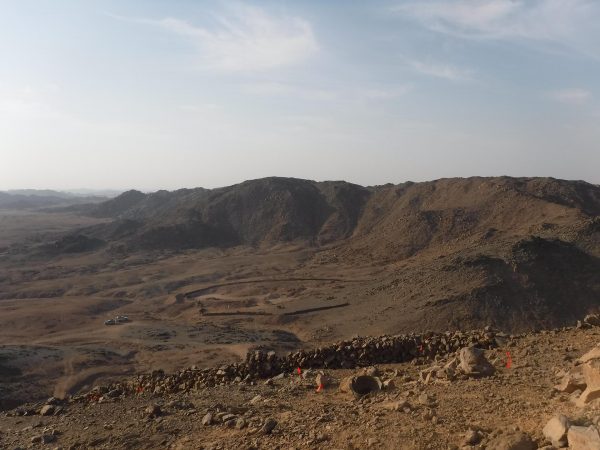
point(515, 252)
point(257, 212)
point(23, 199)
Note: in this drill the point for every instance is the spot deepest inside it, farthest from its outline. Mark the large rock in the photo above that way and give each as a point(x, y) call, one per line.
point(512, 441)
point(591, 374)
point(583, 438)
point(556, 430)
point(474, 363)
point(572, 381)
point(361, 385)
point(594, 353)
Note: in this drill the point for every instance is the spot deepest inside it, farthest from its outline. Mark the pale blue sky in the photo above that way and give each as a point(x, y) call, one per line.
point(170, 94)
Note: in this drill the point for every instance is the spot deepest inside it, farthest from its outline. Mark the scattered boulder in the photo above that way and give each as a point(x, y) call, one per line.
point(583, 438)
point(474, 363)
point(361, 385)
point(556, 430)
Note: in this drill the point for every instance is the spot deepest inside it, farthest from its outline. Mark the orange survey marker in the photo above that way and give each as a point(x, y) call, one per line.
point(508, 360)
point(299, 371)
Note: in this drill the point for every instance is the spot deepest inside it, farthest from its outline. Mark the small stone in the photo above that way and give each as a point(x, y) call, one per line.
point(48, 438)
point(227, 417)
point(153, 410)
point(397, 405)
point(269, 425)
point(425, 399)
point(322, 380)
point(47, 410)
point(472, 437)
point(256, 399)
point(389, 385)
point(207, 419)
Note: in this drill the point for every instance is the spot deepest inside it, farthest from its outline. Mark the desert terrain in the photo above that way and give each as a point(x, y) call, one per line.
point(205, 276)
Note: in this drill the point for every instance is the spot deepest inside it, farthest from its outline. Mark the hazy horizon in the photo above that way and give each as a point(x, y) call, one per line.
point(164, 95)
point(82, 191)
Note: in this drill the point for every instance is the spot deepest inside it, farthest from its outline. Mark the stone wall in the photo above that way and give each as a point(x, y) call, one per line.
point(260, 364)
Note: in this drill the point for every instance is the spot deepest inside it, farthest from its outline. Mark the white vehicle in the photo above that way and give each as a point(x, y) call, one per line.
point(110, 322)
point(121, 319)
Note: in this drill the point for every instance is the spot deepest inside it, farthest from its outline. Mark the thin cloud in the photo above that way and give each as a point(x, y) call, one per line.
point(561, 22)
point(572, 96)
point(444, 71)
point(245, 39)
point(384, 93)
point(288, 90)
point(322, 94)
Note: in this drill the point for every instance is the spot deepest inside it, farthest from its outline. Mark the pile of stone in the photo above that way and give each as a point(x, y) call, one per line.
point(357, 352)
point(239, 420)
point(51, 407)
point(583, 380)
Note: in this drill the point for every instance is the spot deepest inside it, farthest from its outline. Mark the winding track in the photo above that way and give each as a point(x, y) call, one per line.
point(198, 292)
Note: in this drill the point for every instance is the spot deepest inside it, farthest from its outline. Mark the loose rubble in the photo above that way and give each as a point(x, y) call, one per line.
point(449, 400)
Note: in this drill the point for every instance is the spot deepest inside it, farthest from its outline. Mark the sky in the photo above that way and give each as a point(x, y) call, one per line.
point(183, 93)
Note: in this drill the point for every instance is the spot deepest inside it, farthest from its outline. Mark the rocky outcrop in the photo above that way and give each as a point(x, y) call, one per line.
point(585, 376)
point(583, 438)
